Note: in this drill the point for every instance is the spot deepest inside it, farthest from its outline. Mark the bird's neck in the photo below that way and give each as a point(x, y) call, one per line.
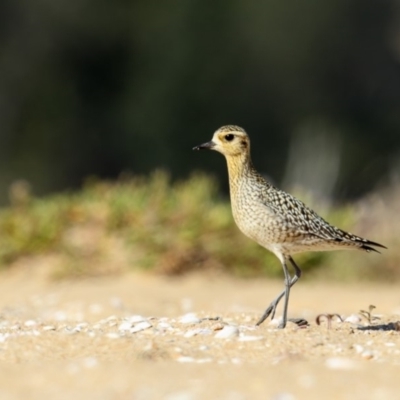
point(242, 173)
point(239, 167)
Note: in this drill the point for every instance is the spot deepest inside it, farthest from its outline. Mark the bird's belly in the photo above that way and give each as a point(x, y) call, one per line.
point(313, 244)
point(256, 223)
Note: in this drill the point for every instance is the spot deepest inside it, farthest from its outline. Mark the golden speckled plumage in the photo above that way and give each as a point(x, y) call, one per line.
point(273, 218)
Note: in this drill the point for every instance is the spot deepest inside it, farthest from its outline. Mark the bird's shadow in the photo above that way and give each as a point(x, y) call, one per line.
point(391, 326)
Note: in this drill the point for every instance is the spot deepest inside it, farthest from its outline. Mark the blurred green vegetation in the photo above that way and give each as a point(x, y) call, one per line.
point(167, 227)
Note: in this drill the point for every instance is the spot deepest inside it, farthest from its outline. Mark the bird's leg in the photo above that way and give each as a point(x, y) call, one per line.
point(287, 293)
point(271, 309)
point(292, 282)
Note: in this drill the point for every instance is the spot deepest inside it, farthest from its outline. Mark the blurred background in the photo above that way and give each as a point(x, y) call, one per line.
point(91, 88)
point(94, 90)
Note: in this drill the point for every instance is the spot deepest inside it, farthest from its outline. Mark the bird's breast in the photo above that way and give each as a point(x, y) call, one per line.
point(252, 217)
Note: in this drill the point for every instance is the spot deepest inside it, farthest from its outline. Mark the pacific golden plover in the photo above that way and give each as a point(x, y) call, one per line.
point(273, 218)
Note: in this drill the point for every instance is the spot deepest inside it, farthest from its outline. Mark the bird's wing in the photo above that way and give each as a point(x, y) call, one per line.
point(303, 221)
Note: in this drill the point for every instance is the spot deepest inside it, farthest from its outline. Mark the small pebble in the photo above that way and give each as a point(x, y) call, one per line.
point(205, 332)
point(30, 322)
point(49, 328)
point(192, 332)
point(199, 331)
point(353, 319)
point(275, 322)
point(189, 318)
point(367, 354)
point(3, 337)
point(113, 335)
point(69, 331)
point(133, 319)
point(129, 323)
point(77, 329)
point(164, 326)
point(228, 332)
point(358, 348)
point(218, 326)
point(140, 327)
point(125, 326)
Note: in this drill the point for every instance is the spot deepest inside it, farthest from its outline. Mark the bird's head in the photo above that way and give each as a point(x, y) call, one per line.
point(230, 140)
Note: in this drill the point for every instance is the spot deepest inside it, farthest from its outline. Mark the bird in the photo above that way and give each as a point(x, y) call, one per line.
point(274, 218)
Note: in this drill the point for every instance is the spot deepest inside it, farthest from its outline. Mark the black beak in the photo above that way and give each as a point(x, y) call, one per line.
point(208, 145)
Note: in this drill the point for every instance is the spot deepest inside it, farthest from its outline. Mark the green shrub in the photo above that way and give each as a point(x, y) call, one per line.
point(148, 223)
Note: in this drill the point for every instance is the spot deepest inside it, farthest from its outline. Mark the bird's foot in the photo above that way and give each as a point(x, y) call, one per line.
point(271, 309)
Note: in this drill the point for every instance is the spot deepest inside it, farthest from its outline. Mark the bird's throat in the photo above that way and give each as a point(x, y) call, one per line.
point(238, 166)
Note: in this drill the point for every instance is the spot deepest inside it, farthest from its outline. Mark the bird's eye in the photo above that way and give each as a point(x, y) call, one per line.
point(229, 137)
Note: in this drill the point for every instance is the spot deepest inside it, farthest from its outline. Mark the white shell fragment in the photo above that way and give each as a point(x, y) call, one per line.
point(113, 335)
point(228, 332)
point(189, 318)
point(198, 331)
point(275, 322)
point(134, 323)
point(3, 337)
point(49, 328)
point(367, 354)
point(133, 319)
point(358, 348)
point(191, 333)
point(140, 327)
point(353, 319)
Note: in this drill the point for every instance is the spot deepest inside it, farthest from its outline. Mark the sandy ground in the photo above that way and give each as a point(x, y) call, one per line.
point(140, 336)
